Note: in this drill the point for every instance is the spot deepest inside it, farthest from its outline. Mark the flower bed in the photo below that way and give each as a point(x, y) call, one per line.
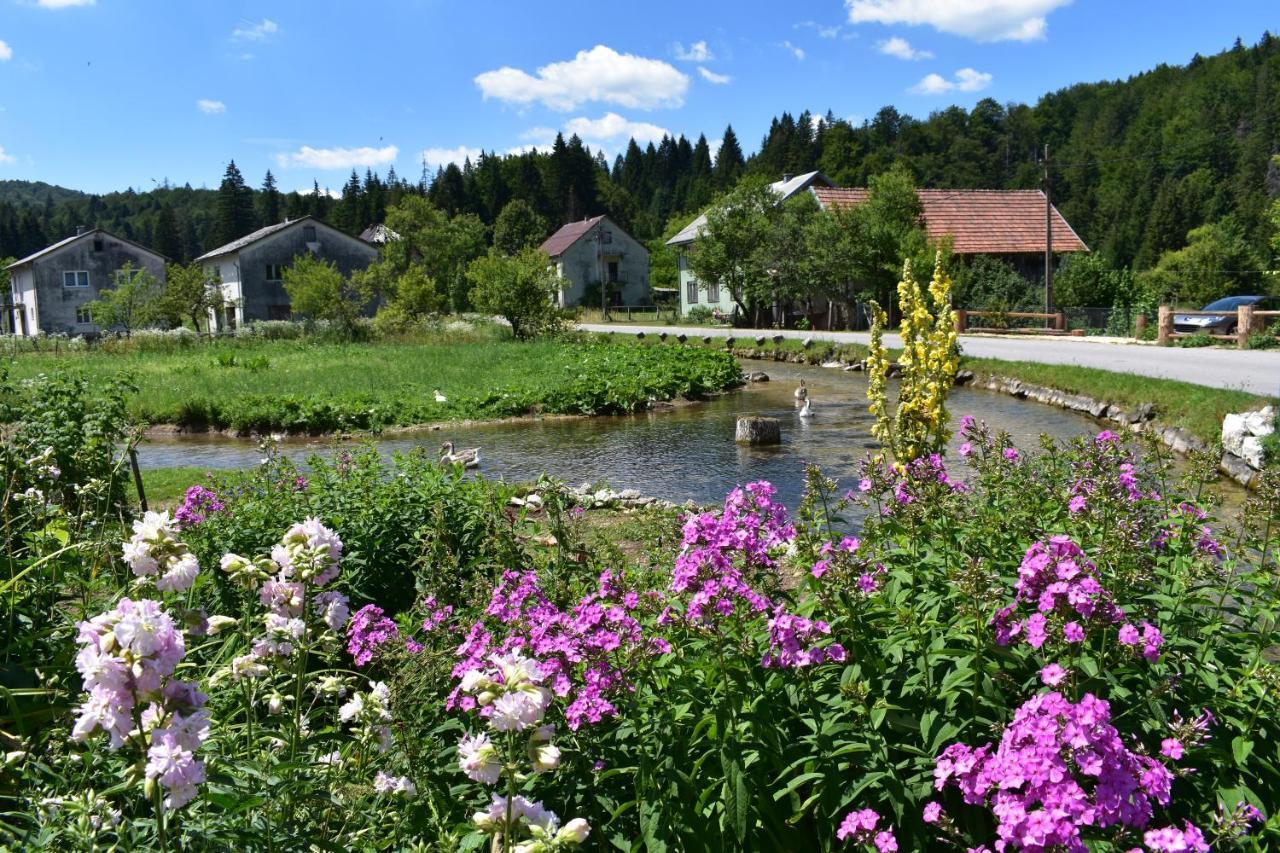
point(1044, 650)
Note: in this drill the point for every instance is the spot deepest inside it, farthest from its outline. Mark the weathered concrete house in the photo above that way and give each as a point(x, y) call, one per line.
point(49, 291)
point(596, 250)
point(710, 294)
point(251, 269)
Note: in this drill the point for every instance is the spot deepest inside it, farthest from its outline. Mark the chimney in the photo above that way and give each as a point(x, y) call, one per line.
point(81, 230)
point(786, 176)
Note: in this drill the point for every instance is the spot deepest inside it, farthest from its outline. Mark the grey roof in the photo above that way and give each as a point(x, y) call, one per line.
point(378, 234)
point(74, 237)
point(784, 189)
point(253, 237)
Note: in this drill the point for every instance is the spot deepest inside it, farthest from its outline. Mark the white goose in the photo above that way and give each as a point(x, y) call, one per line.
point(806, 411)
point(468, 458)
point(440, 398)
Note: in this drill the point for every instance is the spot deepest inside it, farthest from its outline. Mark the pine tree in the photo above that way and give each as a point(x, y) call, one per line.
point(269, 201)
point(235, 216)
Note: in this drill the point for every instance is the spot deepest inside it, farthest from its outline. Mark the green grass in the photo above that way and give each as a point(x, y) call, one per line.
point(166, 486)
point(308, 386)
point(1196, 408)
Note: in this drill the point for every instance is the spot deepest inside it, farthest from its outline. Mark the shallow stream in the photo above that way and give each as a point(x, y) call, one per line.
point(680, 454)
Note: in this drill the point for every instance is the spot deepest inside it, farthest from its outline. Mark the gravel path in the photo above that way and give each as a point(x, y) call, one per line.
point(1255, 371)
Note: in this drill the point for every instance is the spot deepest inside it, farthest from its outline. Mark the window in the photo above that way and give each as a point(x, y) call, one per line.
point(691, 292)
point(229, 317)
point(97, 244)
point(75, 278)
point(713, 292)
point(125, 276)
point(83, 316)
point(613, 272)
point(308, 233)
point(275, 272)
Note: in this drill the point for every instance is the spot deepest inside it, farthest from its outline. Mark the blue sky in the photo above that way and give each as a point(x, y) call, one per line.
point(104, 94)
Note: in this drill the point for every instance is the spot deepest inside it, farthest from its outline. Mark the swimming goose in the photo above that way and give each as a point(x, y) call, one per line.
point(469, 458)
point(802, 393)
point(806, 411)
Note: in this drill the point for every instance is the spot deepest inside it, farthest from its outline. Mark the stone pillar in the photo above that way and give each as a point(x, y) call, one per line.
point(1164, 331)
point(1140, 326)
point(755, 431)
point(962, 320)
point(1060, 321)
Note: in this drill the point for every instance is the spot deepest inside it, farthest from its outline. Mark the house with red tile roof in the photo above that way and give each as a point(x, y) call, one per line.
point(590, 251)
point(979, 222)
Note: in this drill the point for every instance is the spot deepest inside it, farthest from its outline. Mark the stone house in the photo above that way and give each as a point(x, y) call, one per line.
point(251, 269)
point(590, 251)
point(50, 291)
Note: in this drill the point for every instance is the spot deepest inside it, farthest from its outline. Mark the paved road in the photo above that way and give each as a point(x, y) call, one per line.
point(1256, 371)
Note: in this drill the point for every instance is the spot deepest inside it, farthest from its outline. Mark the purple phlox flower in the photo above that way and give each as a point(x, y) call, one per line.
point(367, 632)
point(197, 504)
point(1059, 767)
point(1053, 674)
point(1059, 581)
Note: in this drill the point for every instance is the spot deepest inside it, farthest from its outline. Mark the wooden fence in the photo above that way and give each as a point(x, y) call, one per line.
point(1248, 322)
point(1056, 323)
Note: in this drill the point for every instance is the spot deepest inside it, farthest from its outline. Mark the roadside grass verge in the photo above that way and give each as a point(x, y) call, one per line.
point(316, 387)
point(1196, 408)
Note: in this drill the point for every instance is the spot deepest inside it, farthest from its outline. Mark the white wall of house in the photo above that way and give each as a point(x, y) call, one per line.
point(695, 293)
point(623, 259)
point(26, 313)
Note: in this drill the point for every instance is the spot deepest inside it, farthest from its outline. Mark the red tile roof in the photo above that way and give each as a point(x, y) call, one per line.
point(569, 233)
point(991, 222)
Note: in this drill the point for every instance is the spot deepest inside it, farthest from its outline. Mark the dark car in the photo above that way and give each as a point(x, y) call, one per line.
point(1225, 323)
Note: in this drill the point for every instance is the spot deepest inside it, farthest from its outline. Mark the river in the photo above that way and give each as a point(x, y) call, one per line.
point(679, 454)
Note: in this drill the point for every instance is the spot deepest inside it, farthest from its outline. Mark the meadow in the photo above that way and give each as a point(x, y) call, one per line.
point(314, 386)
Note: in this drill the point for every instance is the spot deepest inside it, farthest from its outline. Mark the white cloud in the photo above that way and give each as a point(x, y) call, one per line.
point(539, 135)
point(713, 145)
point(63, 4)
point(5, 157)
point(337, 158)
point(902, 49)
point(696, 52)
point(598, 74)
point(613, 127)
point(982, 20)
point(6, 52)
point(797, 52)
point(966, 80)
point(210, 107)
point(261, 31)
point(712, 77)
point(445, 156)
point(823, 30)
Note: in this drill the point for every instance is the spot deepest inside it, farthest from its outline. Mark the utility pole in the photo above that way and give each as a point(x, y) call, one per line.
point(1048, 233)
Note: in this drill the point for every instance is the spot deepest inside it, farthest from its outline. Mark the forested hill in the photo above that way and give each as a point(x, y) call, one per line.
point(1136, 164)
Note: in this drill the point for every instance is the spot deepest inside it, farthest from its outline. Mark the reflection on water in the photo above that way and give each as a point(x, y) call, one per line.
point(688, 453)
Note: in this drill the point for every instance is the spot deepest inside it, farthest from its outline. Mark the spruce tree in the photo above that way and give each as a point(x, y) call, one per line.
point(729, 160)
point(235, 217)
point(165, 237)
point(269, 201)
